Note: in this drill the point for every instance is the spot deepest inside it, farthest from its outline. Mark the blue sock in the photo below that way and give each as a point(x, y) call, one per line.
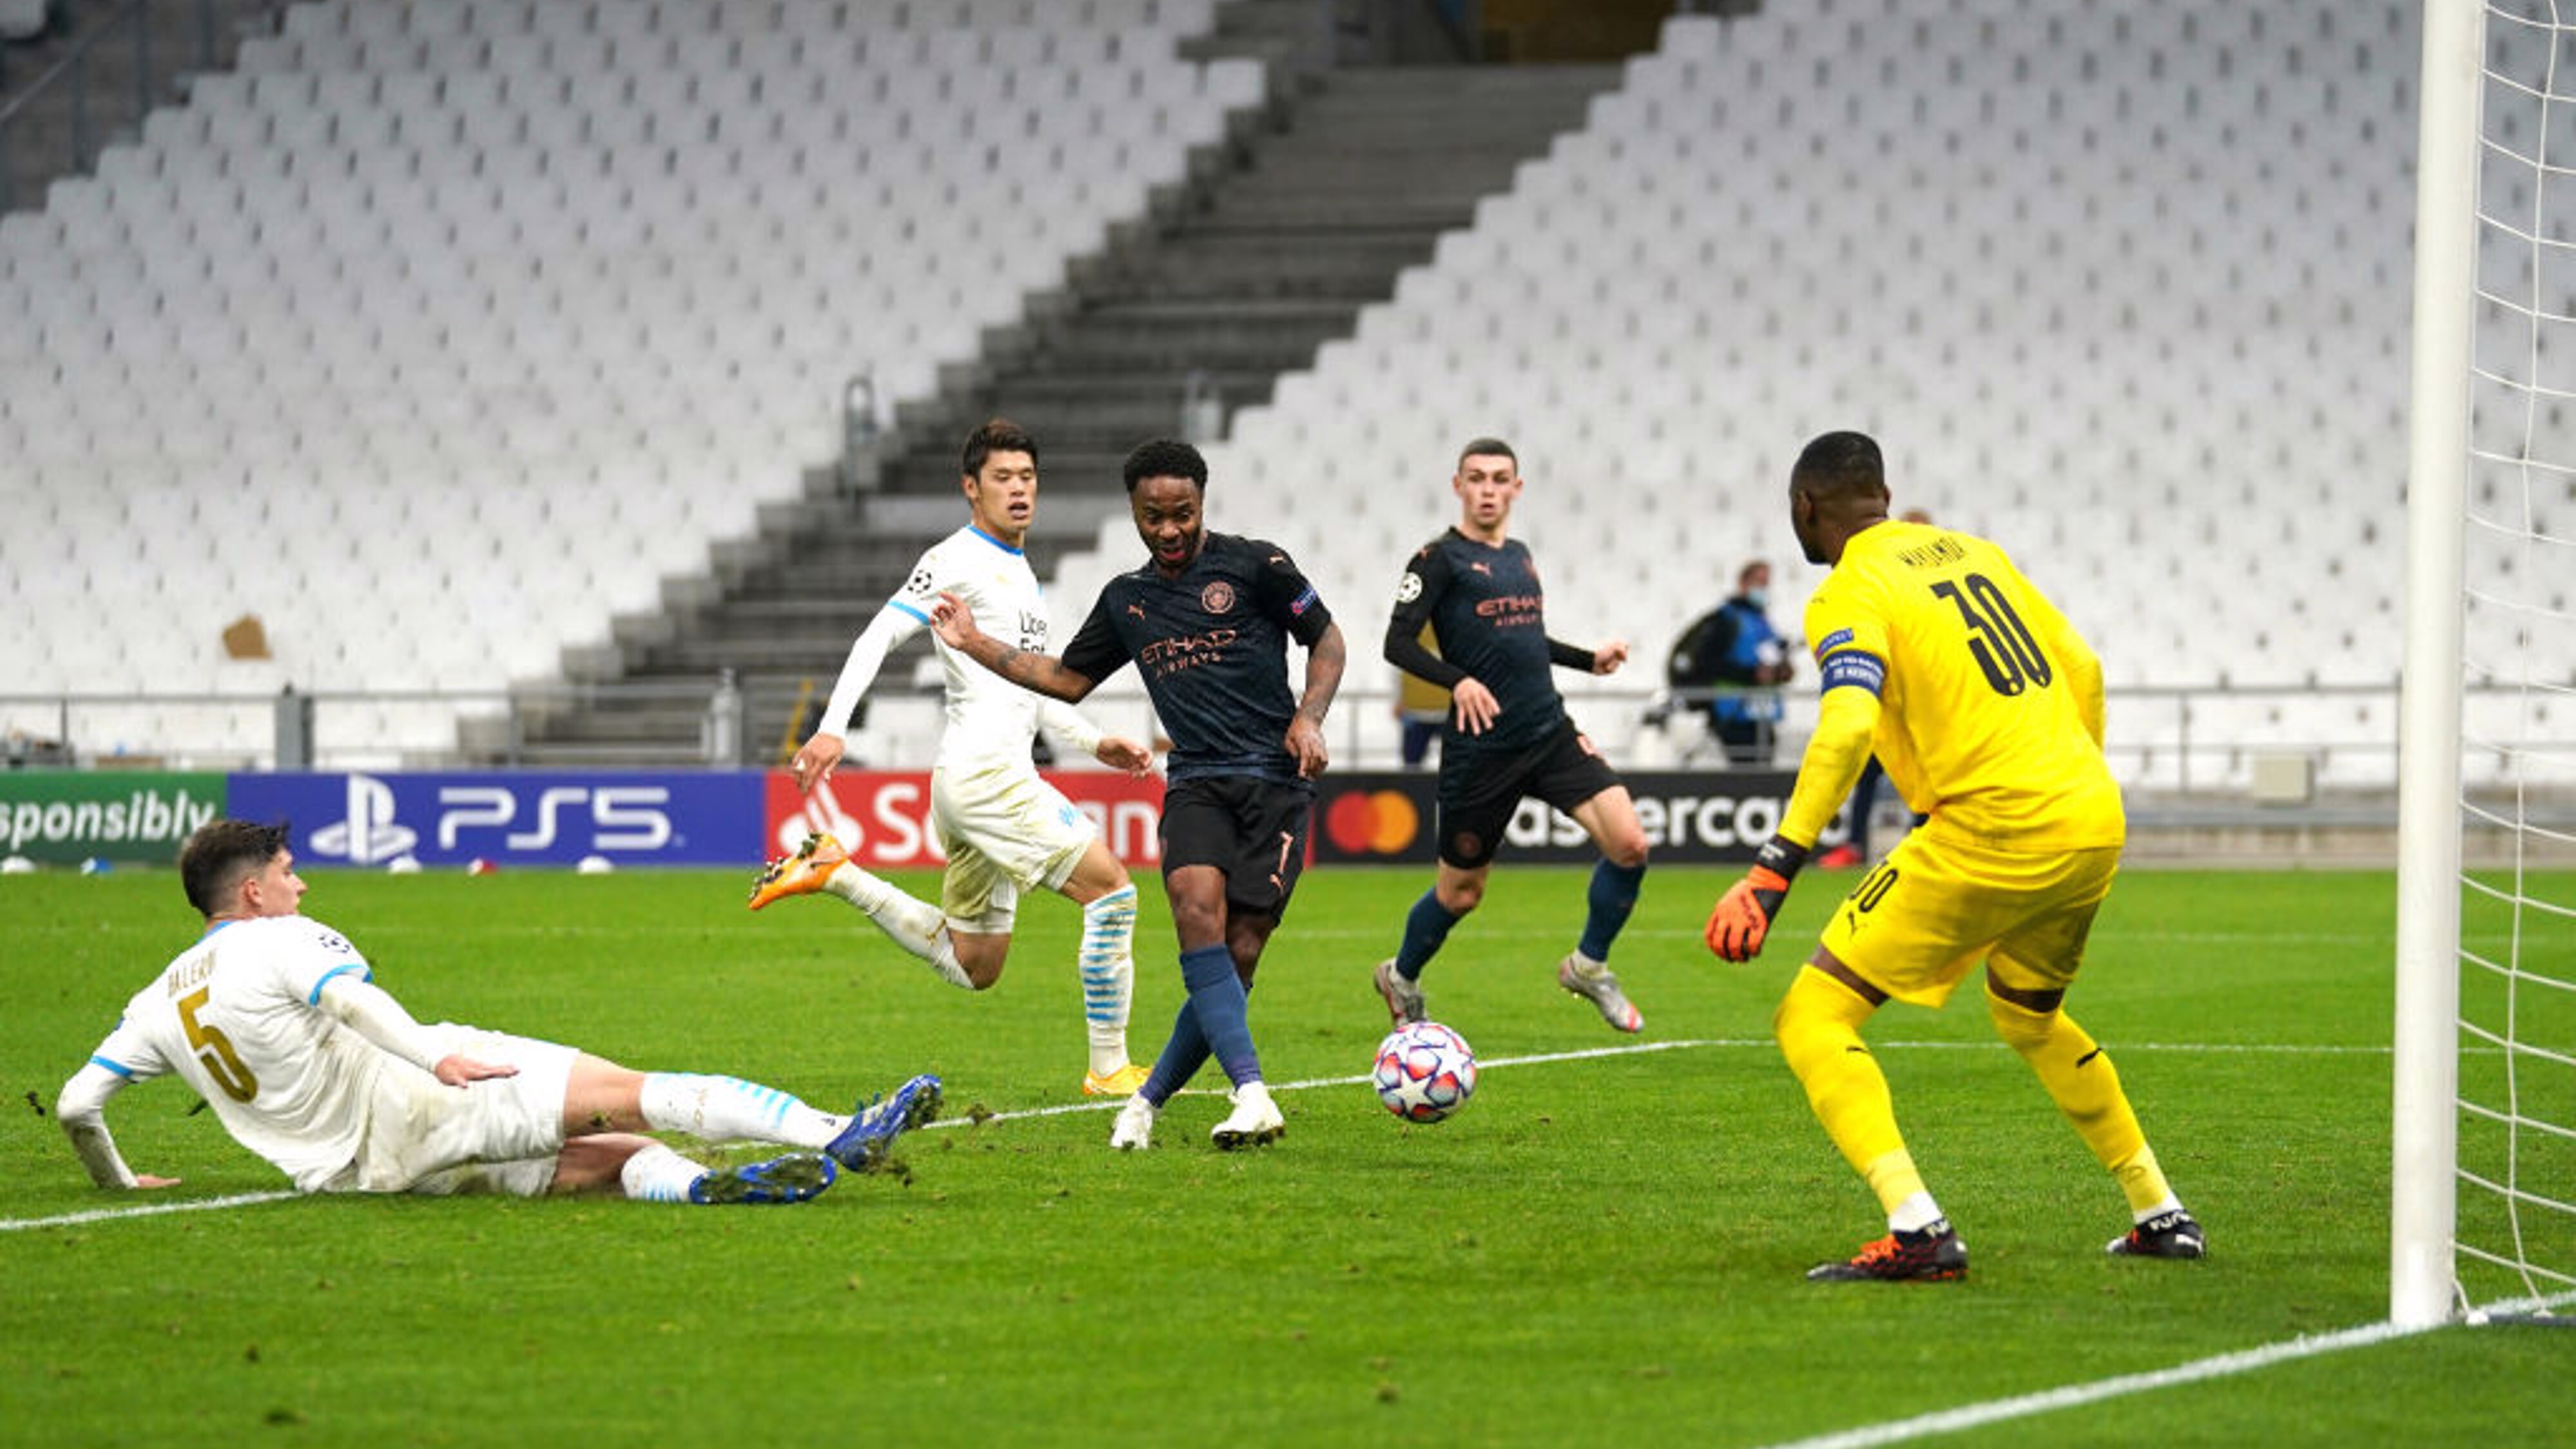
point(1217, 999)
point(1426, 926)
point(1183, 1054)
point(1612, 896)
point(1211, 1023)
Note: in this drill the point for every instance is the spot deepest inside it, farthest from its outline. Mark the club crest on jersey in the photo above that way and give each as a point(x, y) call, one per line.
point(1217, 598)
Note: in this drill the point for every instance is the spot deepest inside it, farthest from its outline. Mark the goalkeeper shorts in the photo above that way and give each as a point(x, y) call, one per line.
point(1936, 908)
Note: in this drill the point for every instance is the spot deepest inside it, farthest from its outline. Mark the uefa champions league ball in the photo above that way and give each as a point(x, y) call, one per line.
point(1424, 1071)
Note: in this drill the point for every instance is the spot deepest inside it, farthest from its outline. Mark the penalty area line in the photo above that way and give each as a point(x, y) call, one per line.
point(2071, 1396)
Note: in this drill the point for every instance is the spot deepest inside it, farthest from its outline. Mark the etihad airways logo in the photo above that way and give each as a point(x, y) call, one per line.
point(1187, 651)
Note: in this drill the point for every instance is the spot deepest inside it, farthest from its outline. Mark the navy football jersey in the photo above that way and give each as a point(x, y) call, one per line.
point(1212, 647)
point(1487, 610)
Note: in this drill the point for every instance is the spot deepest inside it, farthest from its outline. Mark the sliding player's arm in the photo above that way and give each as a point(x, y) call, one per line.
point(371, 1012)
point(120, 1061)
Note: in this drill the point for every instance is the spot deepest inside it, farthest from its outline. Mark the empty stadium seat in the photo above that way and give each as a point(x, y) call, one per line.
point(485, 233)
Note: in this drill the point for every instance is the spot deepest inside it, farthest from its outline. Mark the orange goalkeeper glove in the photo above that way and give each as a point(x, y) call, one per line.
point(1743, 915)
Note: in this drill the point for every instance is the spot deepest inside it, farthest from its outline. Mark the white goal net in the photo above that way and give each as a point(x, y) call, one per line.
point(2492, 625)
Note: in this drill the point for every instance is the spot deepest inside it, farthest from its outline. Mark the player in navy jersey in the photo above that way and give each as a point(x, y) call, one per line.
point(1508, 736)
point(1207, 622)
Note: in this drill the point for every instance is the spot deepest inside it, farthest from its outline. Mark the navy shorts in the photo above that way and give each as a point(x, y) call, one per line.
point(1253, 830)
point(1479, 794)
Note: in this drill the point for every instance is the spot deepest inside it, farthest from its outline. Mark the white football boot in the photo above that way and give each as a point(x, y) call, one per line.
point(1254, 1120)
point(1134, 1130)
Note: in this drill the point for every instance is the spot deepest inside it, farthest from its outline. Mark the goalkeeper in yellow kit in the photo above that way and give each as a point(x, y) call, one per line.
point(1985, 707)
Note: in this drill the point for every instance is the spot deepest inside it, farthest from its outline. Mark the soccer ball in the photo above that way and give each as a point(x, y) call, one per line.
point(1424, 1072)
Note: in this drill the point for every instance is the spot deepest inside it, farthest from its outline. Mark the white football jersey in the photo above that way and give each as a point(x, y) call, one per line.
point(238, 1016)
point(990, 719)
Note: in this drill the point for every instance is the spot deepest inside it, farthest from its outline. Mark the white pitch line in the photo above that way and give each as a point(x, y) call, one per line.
point(103, 1215)
point(1972, 1416)
point(2070, 1396)
point(1113, 1104)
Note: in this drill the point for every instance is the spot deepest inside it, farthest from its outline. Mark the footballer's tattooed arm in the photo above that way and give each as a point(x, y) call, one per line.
point(1324, 661)
point(1044, 673)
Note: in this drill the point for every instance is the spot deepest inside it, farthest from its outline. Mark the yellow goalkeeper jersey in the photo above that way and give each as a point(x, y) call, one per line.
point(1990, 704)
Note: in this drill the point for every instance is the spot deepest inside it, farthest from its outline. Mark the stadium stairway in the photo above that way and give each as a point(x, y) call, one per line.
point(1305, 218)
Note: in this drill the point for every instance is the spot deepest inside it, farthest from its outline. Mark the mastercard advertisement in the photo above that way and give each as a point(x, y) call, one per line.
point(1368, 817)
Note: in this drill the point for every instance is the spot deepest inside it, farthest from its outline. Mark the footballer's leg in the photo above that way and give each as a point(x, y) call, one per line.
point(1455, 893)
point(602, 1096)
point(1818, 1026)
point(2027, 975)
point(1106, 959)
point(1476, 801)
point(1609, 816)
point(821, 865)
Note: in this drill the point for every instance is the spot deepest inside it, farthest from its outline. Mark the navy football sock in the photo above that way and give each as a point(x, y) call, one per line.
point(1217, 1000)
point(1426, 926)
point(1612, 896)
point(1183, 1055)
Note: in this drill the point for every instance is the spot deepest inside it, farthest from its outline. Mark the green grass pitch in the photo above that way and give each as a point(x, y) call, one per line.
point(1601, 1250)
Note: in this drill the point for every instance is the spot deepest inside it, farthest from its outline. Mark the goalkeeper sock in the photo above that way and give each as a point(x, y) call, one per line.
point(1426, 926)
point(2086, 1087)
point(1818, 1027)
point(1608, 902)
point(658, 1174)
point(726, 1109)
point(1108, 961)
point(914, 925)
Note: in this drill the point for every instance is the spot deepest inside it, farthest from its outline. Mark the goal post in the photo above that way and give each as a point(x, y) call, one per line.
point(2425, 1134)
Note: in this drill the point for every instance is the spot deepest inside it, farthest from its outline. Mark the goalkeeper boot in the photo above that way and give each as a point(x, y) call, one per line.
point(1134, 1130)
point(867, 1143)
point(1593, 982)
point(1255, 1120)
point(797, 1177)
point(2174, 1234)
point(1933, 1255)
point(800, 874)
point(1403, 994)
point(1119, 1083)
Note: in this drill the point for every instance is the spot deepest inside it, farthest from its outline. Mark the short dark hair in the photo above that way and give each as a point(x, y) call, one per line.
point(1840, 463)
point(1165, 458)
point(220, 854)
point(1488, 448)
point(997, 435)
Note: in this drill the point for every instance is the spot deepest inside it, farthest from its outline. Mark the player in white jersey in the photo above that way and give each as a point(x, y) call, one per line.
point(1003, 829)
point(274, 1019)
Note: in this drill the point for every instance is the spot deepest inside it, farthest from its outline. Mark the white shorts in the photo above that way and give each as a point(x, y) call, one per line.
point(1005, 831)
point(495, 1136)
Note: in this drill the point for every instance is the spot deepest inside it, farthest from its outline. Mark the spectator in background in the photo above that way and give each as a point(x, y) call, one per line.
point(1734, 649)
point(1421, 708)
